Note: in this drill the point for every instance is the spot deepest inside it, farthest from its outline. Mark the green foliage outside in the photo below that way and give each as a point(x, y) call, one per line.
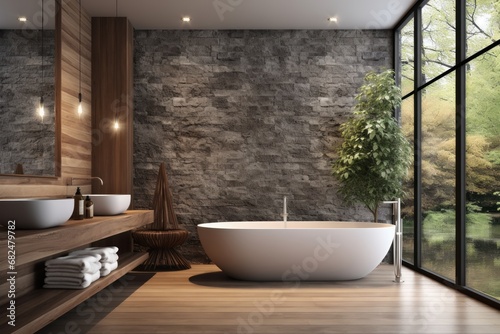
point(478, 224)
point(438, 146)
point(439, 105)
point(375, 155)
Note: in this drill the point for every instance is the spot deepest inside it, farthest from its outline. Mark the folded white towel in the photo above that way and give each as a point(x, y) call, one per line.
point(85, 281)
point(109, 249)
point(108, 267)
point(81, 263)
point(110, 258)
point(72, 274)
point(64, 286)
point(68, 268)
point(108, 254)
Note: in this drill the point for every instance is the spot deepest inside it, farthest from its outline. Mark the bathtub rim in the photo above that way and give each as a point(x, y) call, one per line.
point(294, 225)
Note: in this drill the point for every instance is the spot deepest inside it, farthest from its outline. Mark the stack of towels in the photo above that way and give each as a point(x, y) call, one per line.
point(80, 268)
point(109, 257)
point(72, 271)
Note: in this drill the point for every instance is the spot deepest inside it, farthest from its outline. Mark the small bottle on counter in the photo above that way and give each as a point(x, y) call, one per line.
point(79, 210)
point(89, 207)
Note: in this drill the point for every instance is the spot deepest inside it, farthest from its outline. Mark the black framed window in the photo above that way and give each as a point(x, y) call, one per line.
point(448, 64)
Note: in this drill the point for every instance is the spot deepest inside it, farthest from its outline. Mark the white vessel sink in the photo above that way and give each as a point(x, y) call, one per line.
point(35, 213)
point(109, 204)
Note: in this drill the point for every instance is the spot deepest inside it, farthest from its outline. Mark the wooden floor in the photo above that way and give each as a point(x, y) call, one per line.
point(203, 300)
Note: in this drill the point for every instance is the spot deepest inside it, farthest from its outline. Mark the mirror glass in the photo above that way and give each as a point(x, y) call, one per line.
point(27, 75)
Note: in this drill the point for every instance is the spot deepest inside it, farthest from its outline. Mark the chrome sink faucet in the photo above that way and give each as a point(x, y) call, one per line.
point(71, 179)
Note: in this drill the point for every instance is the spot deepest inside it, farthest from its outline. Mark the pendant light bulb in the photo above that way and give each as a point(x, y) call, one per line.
point(41, 108)
point(117, 125)
point(80, 107)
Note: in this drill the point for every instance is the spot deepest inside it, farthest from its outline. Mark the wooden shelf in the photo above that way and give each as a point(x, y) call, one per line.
point(36, 307)
point(33, 245)
point(42, 306)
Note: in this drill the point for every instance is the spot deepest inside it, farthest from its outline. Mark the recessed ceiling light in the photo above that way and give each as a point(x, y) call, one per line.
point(186, 19)
point(22, 18)
point(332, 19)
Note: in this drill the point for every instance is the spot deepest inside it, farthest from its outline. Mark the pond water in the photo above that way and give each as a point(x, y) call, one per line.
point(482, 254)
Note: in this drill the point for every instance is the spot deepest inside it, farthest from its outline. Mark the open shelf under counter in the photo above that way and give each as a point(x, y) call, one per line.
point(36, 307)
point(33, 245)
point(42, 306)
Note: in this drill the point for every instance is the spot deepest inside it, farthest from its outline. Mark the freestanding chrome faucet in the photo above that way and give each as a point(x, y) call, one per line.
point(71, 179)
point(285, 214)
point(398, 239)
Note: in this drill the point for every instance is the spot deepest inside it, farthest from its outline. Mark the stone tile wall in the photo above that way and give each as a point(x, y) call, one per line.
point(243, 118)
point(24, 138)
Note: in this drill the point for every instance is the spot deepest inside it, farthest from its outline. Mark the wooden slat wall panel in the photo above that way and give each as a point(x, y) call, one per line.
point(112, 88)
point(75, 144)
point(112, 80)
point(76, 131)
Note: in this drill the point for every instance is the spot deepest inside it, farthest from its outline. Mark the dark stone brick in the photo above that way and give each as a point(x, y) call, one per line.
point(243, 118)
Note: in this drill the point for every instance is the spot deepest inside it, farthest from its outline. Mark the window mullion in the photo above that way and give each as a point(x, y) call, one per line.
point(460, 128)
point(417, 107)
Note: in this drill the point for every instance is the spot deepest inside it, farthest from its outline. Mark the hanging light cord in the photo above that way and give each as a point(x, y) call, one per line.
point(80, 50)
point(80, 107)
point(42, 48)
point(116, 125)
point(41, 108)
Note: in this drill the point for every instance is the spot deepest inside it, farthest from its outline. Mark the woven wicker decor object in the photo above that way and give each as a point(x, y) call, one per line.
point(163, 235)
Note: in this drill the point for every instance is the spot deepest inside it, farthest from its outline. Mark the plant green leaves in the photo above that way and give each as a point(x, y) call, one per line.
point(374, 157)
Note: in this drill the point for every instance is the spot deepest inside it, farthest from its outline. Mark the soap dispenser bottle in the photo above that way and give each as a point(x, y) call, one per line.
point(79, 210)
point(89, 207)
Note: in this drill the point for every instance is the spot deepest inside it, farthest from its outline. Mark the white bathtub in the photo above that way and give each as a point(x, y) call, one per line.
point(310, 250)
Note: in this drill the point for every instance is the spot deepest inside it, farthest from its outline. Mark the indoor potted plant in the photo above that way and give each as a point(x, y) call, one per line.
point(374, 156)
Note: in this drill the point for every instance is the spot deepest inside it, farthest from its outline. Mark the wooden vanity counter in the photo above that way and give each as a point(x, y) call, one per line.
point(36, 307)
